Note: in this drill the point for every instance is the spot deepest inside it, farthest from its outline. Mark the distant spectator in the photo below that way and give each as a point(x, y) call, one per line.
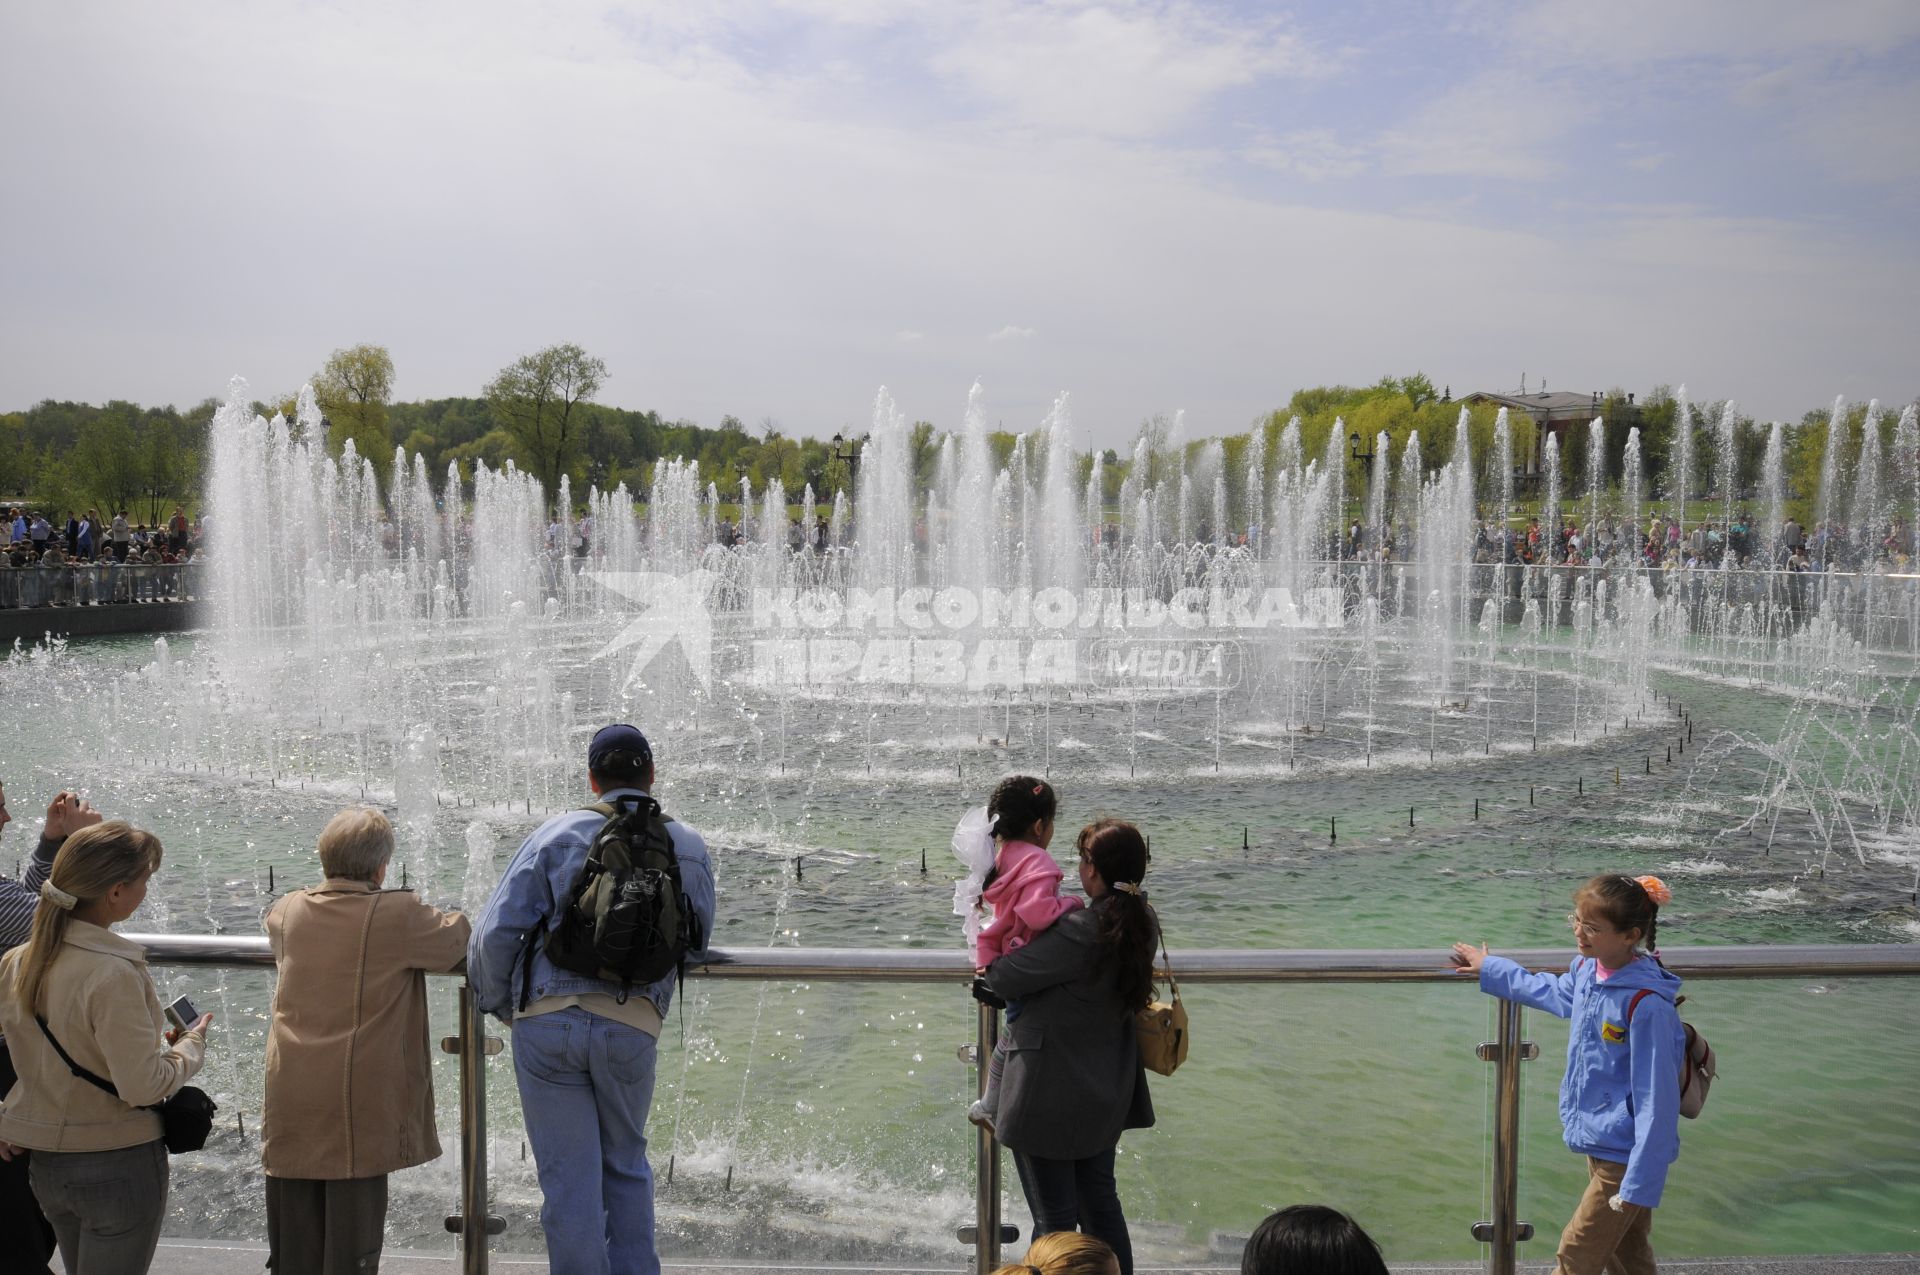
point(1311, 1239)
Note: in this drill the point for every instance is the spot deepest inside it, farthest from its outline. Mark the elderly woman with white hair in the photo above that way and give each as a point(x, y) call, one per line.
point(349, 1081)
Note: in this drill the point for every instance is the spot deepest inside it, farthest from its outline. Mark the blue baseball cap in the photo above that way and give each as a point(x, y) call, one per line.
point(618, 738)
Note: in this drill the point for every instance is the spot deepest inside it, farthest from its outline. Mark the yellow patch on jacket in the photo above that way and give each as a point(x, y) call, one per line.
point(1613, 1033)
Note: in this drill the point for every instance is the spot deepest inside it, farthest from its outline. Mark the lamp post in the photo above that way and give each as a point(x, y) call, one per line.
point(1353, 448)
point(850, 457)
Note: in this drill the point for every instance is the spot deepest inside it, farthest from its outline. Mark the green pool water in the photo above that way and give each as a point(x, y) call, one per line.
point(837, 1109)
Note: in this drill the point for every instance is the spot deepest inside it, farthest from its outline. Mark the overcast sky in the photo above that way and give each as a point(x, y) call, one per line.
point(774, 207)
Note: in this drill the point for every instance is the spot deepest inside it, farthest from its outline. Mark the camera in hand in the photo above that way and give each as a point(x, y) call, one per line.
point(183, 1013)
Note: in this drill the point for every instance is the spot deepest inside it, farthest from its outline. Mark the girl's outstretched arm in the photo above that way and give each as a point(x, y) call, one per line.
point(1510, 981)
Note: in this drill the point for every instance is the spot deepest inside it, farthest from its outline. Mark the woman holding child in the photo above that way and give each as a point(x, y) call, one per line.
point(1072, 1079)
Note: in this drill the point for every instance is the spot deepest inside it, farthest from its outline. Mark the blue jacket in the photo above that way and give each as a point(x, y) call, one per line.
point(531, 893)
point(1620, 1100)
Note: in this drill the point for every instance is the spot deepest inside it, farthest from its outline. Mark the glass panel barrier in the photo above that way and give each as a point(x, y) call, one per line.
point(809, 1107)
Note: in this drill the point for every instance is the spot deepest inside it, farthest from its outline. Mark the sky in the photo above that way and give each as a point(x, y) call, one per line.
point(772, 208)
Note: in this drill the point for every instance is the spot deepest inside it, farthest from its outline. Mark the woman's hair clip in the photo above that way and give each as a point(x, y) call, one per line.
point(1656, 890)
point(1038, 789)
point(58, 897)
point(1130, 887)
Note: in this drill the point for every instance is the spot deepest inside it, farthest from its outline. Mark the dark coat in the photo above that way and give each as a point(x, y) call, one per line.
point(1073, 1079)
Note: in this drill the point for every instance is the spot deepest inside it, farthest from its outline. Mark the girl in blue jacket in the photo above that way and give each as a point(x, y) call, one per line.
point(1620, 1101)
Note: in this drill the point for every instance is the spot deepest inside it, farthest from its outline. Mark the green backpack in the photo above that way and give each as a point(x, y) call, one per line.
point(627, 919)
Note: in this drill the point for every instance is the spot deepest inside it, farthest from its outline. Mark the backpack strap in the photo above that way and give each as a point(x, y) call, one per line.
point(73, 1066)
point(1634, 1004)
point(605, 810)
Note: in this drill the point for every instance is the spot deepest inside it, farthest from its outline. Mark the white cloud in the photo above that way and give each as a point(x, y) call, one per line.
point(1123, 70)
point(1628, 33)
point(1498, 124)
point(1310, 154)
point(467, 184)
point(907, 336)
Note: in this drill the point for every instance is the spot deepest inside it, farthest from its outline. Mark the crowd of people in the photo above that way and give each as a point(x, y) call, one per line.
point(79, 562)
point(88, 1056)
point(1664, 544)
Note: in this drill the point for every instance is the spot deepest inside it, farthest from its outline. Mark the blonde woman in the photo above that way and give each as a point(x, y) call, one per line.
point(1065, 1253)
point(99, 1168)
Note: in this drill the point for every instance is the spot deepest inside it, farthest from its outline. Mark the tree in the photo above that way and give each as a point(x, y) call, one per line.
point(537, 400)
point(16, 470)
point(353, 390)
point(106, 460)
point(169, 463)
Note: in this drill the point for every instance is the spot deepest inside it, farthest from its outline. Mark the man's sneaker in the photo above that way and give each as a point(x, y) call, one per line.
point(981, 1114)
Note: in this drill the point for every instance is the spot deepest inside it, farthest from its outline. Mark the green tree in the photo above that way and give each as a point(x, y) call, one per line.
point(353, 390)
point(538, 400)
point(169, 463)
point(16, 456)
point(107, 462)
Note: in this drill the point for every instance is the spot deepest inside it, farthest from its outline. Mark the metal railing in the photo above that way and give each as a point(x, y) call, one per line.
point(1502, 1232)
point(102, 583)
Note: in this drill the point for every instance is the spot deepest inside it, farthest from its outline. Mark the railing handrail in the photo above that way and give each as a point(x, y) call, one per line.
point(474, 1224)
point(1194, 965)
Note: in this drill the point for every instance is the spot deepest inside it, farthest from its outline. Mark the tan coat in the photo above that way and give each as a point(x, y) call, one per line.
point(104, 1011)
point(349, 1079)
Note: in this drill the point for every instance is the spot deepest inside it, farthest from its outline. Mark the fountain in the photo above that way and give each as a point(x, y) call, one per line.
point(428, 649)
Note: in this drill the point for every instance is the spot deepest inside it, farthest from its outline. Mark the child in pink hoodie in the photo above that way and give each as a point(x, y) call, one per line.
point(1023, 891)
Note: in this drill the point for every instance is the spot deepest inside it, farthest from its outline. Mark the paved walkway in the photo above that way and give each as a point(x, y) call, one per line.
point(212, 1257)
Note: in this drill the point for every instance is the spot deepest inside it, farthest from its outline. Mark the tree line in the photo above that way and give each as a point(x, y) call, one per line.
point(540, 412)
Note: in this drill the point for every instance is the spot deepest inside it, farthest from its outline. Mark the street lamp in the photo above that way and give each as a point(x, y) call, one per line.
point(1353, 448)
point(851, 457)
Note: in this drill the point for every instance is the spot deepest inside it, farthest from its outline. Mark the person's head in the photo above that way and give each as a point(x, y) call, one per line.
point(100, 876)
point(1113, 869)
point(1022, 809)
point(1311, 1239)
point(619, 757)
point(356, 845)
point(1065, 1253)
point(1615, 916)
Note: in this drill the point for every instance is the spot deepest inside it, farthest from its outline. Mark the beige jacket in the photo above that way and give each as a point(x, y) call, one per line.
point(349, 1075)
point(103, 1009)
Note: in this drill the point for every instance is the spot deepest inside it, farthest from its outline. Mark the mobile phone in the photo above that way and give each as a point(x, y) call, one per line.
point(183, 1013)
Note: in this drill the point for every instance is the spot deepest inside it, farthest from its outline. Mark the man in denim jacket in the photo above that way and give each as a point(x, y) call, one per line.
point(583, 1055)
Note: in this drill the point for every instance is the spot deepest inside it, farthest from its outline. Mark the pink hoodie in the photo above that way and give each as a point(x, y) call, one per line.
point(1025, 898)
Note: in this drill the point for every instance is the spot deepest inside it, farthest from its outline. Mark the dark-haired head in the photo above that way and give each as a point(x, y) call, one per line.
point(1625, 904)
point(1020, 805)
point(1113, 869)
point(1311, 1239)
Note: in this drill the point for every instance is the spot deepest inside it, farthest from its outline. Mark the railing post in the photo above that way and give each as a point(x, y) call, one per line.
point(1506, 1053)
point(473, 1224)
point(986, 1172)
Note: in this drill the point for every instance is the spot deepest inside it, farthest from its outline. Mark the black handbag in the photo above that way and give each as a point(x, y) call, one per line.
point(185, 1119)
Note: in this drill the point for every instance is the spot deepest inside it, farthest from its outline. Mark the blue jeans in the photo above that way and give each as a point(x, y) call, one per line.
point(1076, 1195)
point(586, 1084)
